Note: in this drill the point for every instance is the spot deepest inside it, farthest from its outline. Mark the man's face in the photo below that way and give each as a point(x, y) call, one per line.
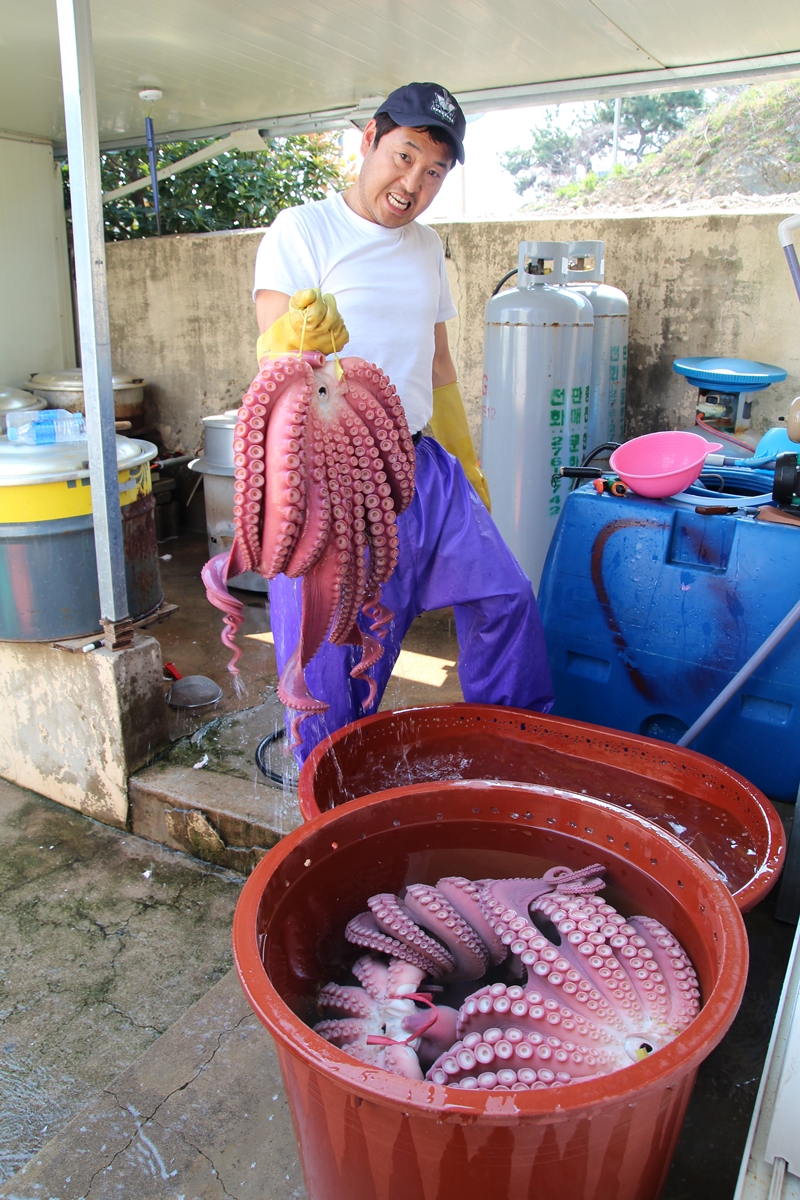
point(400, 176)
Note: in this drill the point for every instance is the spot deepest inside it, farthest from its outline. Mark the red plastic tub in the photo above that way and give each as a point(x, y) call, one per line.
point(717, 812)
point(364, 1134)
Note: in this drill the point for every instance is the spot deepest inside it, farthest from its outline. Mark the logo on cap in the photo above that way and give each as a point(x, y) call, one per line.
point(443, 106)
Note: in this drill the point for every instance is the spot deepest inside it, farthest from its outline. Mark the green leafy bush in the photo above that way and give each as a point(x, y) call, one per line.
point(236, 190)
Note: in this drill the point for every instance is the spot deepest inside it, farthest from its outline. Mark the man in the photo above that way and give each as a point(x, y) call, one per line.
point(388, 276)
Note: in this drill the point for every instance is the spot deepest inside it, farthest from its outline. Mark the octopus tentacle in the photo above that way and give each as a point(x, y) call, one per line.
point(394, 919)
point(363, 930)
point(319, 594)
point(399, 1059)
point(215, 575)
point(388, 418)
point(399, 978)
point(348, 1001)
point(431, 910)
point(345, 1031)
point(351, 538)
point(508, 1059)
point(529, 1008)
point(463, 895)
point(682, 996)
point(285, 496)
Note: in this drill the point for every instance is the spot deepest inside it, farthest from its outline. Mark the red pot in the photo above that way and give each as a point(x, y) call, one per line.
point(364, 1134)
point(722, 816)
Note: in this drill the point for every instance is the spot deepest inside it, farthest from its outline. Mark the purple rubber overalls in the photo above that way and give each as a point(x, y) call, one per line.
point(451, 553)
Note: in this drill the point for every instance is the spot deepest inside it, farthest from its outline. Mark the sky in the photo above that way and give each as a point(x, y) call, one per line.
point(482, 188)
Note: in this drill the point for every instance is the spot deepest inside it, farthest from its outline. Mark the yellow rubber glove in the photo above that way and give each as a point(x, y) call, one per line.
point(324, 328)
point(451, 430)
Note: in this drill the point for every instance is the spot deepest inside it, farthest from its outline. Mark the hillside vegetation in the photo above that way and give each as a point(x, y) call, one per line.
point(744, 151)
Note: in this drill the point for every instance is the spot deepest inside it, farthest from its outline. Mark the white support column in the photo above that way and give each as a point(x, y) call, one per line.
point(80, 109)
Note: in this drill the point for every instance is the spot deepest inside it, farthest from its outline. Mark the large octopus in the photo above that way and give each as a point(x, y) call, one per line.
point(324, 464)
point(600, 990)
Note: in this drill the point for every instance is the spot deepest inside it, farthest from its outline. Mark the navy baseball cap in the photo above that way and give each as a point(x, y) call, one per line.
point(419, 104)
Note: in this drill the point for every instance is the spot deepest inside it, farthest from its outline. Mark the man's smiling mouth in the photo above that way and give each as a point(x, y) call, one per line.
point(401, 203)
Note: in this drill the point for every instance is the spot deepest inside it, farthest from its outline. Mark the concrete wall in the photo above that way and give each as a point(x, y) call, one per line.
point(36, 332)
point(182, 317)
point(714, 285)
point(75, 725)
point(181, 313)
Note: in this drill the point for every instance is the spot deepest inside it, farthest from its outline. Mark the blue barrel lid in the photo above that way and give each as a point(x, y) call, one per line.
point(729, 374)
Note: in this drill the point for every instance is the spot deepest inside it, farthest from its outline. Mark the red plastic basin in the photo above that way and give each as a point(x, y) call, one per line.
point(717, 812)
point(364, 1134)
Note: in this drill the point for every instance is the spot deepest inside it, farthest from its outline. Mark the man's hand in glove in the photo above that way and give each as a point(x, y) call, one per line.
point(451, 430)
point(312, 321)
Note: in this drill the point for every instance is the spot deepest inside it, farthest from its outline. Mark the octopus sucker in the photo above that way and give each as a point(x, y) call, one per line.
point(597, 991)
point(324, 465)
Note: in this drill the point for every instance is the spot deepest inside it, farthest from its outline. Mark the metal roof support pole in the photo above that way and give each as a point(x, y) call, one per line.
point(80, 110)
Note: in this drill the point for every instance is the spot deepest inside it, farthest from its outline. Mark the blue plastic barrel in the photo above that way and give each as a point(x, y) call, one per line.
point(650, 608)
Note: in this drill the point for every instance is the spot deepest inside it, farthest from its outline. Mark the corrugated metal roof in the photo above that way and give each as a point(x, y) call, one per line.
point(266, 63)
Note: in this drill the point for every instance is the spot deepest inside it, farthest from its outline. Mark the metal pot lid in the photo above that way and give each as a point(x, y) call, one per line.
point(226, 420)
point(12, 400)
point(71, 380)
point(20, 464)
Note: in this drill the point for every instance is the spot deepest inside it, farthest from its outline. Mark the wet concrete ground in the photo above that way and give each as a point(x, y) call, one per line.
point(106, 940)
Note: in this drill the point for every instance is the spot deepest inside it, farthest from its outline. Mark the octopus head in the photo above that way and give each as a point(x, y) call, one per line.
point(328, 390)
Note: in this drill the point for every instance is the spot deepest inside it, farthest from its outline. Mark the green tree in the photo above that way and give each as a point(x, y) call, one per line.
point(651, 121)
point(550, 156)
point(557, 154)
point(237, 190)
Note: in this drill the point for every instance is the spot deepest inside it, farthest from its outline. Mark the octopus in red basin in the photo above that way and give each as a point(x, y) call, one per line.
point(587, 990)
point(324, 465)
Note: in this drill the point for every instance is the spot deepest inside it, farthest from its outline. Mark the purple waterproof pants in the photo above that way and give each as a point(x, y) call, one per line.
point(451, 553)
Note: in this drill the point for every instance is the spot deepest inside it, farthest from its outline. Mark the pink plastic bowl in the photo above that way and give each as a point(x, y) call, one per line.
point(661, 464)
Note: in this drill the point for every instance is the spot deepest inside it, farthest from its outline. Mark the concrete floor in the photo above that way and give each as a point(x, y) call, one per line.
point(131, 1065)
point(106, 941)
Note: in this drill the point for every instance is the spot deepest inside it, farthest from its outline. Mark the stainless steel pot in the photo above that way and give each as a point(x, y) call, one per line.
point(64, 389)
point(218, 440)
point(216, 467)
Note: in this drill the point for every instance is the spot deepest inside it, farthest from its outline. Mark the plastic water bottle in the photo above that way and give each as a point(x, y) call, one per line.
point(46, 427)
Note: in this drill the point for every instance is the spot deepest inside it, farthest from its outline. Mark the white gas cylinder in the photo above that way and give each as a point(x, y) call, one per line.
point(585, 274)
point(536, 384)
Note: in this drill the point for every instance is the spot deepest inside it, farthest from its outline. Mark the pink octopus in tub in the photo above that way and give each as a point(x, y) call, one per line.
point(597, 991)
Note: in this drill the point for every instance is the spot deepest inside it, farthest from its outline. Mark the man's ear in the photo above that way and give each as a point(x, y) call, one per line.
point(368, 137)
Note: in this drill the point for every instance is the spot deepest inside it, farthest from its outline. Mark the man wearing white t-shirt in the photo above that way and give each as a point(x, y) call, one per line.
point(388, 276)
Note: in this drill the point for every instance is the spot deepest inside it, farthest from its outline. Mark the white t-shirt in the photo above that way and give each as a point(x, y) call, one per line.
point(390, 285)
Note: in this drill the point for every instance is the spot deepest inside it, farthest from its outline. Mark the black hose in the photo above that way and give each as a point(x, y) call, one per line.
point(600, 451)
point(505, 279)
point(262, 755)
